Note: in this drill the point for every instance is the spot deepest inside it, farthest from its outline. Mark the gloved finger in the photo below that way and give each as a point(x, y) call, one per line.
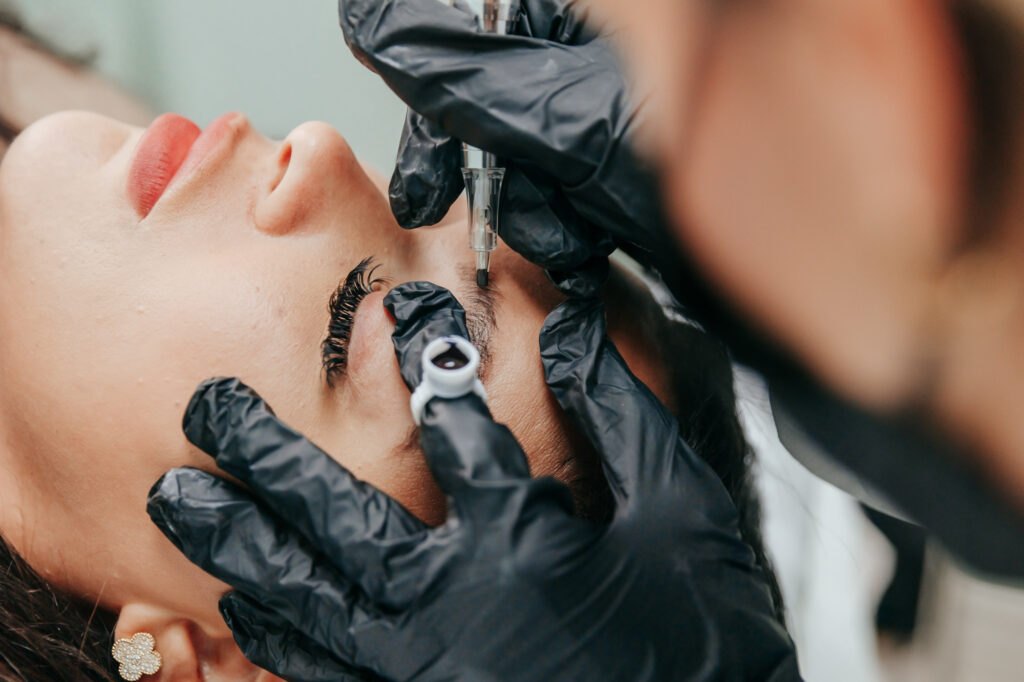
point(423, 312)
point(538, 222)
point(561, 21)
point(274, 644)
point(480, 466)
point(587, 281)
point(357, 526)
point(427, 177)
point(467, 452)
point(465, 446)
point(224, 531)
point(499, 92)
point(627, 424)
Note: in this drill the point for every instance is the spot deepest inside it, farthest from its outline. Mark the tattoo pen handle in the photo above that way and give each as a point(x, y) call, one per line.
point(481, 171)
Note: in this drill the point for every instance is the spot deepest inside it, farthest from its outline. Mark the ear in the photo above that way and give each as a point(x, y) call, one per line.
point(188, 653)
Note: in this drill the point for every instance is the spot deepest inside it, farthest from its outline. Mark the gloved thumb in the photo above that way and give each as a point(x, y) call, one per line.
point(423, 312)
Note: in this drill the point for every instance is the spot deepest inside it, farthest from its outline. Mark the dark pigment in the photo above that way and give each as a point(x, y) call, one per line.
point(453, 358)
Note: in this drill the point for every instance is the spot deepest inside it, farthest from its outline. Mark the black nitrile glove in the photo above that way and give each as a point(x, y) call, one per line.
point(334, 580)
point(551, 102)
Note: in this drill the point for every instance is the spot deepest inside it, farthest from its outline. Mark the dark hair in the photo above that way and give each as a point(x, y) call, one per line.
point(48, 634)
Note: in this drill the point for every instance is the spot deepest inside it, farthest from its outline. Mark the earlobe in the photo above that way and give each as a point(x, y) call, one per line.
point(187, 653)
point(171, 641)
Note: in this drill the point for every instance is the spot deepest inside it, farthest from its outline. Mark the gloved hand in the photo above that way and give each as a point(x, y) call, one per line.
point(334, 580)
point(552, 103)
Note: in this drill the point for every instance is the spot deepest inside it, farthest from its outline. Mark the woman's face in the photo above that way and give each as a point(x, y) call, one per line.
point(118, 300)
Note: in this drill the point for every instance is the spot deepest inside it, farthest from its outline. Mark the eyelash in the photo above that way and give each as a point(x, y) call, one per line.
point(342, 308)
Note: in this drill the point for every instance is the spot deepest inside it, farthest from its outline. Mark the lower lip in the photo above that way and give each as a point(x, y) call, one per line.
point(169, 151)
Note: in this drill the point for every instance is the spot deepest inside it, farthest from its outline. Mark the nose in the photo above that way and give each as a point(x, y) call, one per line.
point(315, 165)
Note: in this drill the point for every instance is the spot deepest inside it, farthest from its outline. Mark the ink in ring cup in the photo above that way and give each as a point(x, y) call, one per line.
point(450, 366)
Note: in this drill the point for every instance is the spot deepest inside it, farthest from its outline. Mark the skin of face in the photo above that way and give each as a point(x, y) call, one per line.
point(815, 158)
point(110, 321)
point(813, 154)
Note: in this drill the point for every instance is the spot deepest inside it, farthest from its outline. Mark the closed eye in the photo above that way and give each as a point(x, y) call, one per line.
point(342, 307)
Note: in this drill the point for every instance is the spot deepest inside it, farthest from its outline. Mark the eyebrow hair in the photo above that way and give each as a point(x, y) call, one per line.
point(480, 305)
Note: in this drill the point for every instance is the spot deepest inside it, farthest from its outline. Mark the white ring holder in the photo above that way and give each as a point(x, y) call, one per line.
point(450, 364)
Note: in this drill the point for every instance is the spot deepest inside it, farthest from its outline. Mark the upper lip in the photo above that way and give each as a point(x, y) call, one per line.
point(168, 152)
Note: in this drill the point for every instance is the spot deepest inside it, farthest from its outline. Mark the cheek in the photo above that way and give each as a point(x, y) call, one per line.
point(365, 419)
point(94, 388)
point(101, 372)
point(518, 397)
point(377, 444)
point(539, 430)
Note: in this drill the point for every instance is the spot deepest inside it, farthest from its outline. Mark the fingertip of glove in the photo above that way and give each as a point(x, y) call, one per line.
point(200, 406)
point(232, 609)
point(156, 491)
point(400, 209)
point(424, 206)
point(173, 482)
point(188, 504)
point(160, 504)
point(204, 398)
point(404, 300)
point(401, 293)
point(236, 610)
point(207, 410)
point(399, 200)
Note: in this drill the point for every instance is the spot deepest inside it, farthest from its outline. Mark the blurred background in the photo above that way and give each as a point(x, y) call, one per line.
point(281, 63)
point(869, 598)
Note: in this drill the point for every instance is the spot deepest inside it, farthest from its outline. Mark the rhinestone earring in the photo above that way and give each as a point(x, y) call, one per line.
point(136, 656)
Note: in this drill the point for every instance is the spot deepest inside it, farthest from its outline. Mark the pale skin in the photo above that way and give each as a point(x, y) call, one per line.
point(816, 164)
point(109, 322)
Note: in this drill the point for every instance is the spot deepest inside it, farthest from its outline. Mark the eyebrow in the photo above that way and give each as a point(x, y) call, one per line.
point(480, 305)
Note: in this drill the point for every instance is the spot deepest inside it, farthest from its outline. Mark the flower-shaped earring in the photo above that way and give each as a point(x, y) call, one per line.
point(136, 656)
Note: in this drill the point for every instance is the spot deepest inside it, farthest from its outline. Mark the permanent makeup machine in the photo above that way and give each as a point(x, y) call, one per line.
point(480, 170)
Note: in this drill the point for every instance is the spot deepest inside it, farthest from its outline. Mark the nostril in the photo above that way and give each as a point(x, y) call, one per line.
point(284, 157)
point(307, 172)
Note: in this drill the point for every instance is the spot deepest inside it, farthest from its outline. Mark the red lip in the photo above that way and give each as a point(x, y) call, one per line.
point(170, 149)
